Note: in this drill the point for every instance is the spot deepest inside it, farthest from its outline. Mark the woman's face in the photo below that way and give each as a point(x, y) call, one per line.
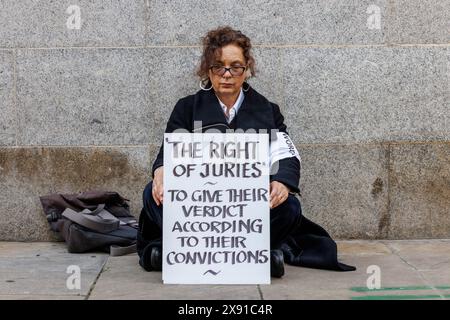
point(227, 84)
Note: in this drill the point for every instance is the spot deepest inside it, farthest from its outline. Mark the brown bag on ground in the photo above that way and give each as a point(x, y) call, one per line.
point(92, 221)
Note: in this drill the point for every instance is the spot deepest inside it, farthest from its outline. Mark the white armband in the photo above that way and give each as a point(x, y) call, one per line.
point(282, 148)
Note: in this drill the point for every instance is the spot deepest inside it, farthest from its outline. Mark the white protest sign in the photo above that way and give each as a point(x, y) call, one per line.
point(216, 215)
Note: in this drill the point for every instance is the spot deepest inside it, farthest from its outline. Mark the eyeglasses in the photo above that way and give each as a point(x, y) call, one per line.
point(235, 71)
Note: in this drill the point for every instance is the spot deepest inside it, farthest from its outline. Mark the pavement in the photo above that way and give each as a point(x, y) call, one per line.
point(386, 270)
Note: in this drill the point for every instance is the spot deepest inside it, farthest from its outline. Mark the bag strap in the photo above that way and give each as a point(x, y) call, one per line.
point(116, 250)
point(96, 211)
point(93, 222)
point(129, 221)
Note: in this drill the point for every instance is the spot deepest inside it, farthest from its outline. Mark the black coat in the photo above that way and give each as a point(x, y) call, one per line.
point(310, 245)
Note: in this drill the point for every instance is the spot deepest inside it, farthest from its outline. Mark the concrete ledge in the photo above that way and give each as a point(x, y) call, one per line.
point(359, 191)
point(28, 173)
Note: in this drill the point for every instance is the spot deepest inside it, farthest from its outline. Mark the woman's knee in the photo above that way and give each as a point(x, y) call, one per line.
point(147, 193)
point(292, 209)
point(147, 196)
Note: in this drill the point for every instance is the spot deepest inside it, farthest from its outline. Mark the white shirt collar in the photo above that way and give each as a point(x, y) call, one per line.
point(235, 108)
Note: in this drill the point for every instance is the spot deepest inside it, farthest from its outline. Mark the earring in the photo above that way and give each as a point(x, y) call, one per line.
point(243, 86)
point(202, 85)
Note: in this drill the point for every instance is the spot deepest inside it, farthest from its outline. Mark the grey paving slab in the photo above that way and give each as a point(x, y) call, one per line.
point(423, 255)
point(42, 270)
point(362, 247)
point(304, 283)
point(431, 258)
point(46, 23)
point(266, 22)
point(409, 269)
point(136, 283)
point(8, 123)
point(438, 278)
point(28, 173)
point(348, 95)
point(39, 297)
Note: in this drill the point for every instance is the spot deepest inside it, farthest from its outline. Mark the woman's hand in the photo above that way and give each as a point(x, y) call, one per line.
point(157, 187)
point(278, 194)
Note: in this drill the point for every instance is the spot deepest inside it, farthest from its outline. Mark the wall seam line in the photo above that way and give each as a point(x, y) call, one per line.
point(279, 46)
point(15, 99)
point(297, 144)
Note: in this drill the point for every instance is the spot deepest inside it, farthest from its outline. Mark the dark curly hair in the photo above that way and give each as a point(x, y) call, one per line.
point(218, 38)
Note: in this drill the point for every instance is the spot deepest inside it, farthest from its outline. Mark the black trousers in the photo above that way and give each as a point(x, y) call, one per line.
point(284, 219)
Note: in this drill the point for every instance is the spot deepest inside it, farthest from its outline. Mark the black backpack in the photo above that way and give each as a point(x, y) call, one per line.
point(92, 221)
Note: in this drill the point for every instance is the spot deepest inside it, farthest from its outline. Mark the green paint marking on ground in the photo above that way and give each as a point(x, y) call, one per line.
point(365, 289)
point(442, 287)
point(401, 297)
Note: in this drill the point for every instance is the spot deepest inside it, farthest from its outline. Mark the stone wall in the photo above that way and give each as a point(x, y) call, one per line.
point(86, 88)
